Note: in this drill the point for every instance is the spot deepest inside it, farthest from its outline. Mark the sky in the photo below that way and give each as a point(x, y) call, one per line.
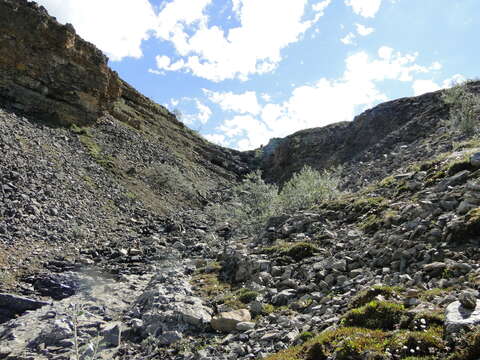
point(241, 72)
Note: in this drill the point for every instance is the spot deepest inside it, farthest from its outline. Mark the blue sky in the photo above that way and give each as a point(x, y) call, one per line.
point(244, 71)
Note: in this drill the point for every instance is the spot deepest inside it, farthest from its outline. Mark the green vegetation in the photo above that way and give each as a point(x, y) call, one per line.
point(254, 201)
point(247, 296)
point(308, 187)
point(368, 295)
point(469, 349)
point(464, 108)
point(297, 251)
point(375, 315)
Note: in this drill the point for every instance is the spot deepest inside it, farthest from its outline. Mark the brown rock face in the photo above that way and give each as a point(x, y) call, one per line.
point(46, 70)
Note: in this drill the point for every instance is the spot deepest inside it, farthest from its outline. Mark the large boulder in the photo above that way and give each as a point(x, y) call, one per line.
point(458, 316)
point(227, 321)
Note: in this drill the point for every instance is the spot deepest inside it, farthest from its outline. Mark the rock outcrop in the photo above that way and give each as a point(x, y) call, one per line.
point(48, 71)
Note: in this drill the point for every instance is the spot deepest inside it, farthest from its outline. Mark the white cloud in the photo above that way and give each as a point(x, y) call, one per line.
point(254, 47)
point(216, 139)
point(363, 30)
point(327, 101)
point(365, 8)
point(246, 103)
point(423, 86)
point(204, 112)
point(348, 39)
point(117, 27)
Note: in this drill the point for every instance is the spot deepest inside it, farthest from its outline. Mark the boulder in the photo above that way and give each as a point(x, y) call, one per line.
point(228, 321)
point(458, 317)
point(475, 160)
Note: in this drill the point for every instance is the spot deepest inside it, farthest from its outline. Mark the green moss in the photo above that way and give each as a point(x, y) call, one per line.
point(247, 296)
point(423, 343)
point(387, 182)
point(369, 204)
point(368, 295)
point(306, 335)
point(371, 224)
point(469, 349)
point(471, 227)
point(300, 251)
point(95, 152)
point(375, 315)
point(79, 130)
point(297, 251)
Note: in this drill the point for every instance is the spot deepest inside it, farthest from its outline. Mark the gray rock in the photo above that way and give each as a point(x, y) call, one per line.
point(112, 333)
point(19, 304)
point(170, 337)
point(458, 317)
point(468, 300)
point(340, 265)
point(283, 297)
point(246, 325)
point(475, 160)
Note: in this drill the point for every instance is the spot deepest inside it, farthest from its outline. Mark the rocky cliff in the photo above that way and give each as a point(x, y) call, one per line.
point(372, 135)
point(111, 247)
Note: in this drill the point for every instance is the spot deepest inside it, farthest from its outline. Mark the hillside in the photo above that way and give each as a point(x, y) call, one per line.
point(119, 240)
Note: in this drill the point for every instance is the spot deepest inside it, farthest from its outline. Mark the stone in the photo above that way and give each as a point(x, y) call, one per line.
point(457, 317)
point(435, 268)
point(244, 326)
point(340, 265)
point(227, 321)
point(468, 300)
point(112, 333)
point(170, 337)
point(19, 304)
point(283, 297)
point(475, 160)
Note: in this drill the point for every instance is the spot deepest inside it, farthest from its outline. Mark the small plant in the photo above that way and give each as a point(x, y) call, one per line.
point(464, 108)
point(247, 296)
point(252, 203)
point(76, 312)
point(308, 187)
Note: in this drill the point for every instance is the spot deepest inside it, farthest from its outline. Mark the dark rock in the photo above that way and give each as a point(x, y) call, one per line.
point(56, 286)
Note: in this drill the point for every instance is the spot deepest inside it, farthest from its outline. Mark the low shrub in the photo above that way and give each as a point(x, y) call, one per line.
point(464, 108)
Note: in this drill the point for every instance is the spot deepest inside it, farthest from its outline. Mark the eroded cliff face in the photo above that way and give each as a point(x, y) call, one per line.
point(368, 136)
point(46, 70)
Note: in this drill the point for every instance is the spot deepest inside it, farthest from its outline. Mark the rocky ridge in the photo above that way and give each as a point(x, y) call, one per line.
point(107, 250)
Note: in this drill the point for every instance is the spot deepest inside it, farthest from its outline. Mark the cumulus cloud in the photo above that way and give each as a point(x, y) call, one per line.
point(246, 103)
point(348, 39)
point(365, 8)
point(326, 101)
point(363, 30)
point(254, 47)
point(423, 86)
point(104, 23)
